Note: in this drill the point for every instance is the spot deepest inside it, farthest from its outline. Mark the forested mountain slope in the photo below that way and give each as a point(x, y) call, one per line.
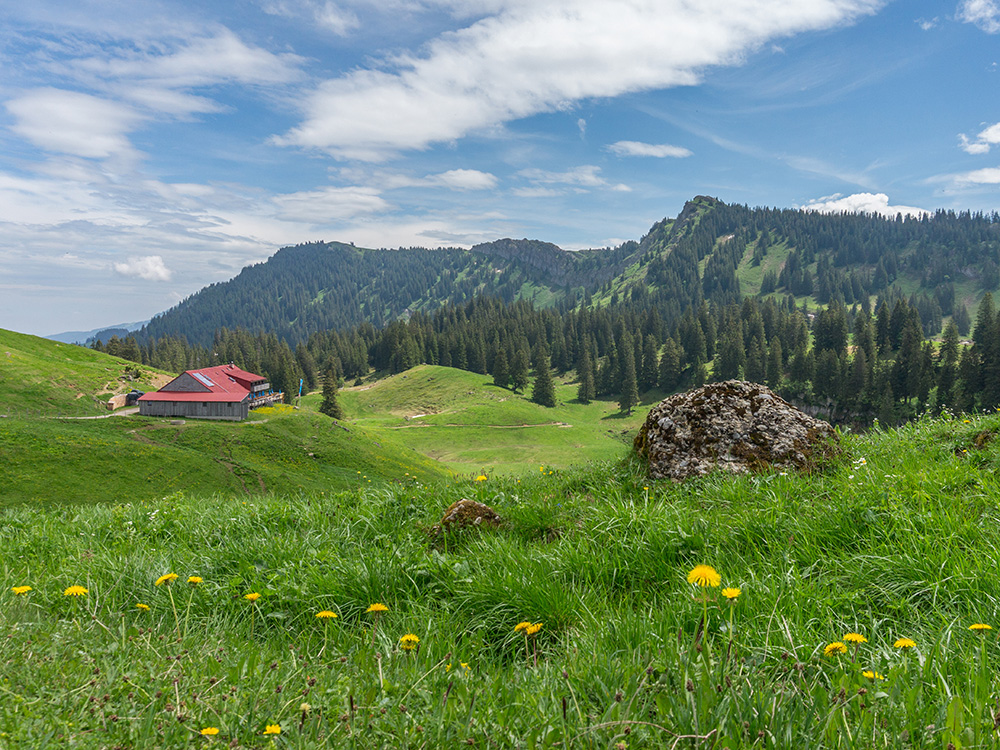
point(712, 251)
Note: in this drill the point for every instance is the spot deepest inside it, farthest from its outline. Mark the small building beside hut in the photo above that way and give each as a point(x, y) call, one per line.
point(222, 392)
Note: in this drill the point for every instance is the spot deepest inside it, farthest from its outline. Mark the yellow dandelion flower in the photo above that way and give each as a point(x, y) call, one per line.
point(704, 575)
point(904, 643)
point(377, 607)
point(18, 590)
point(871, 675)
point(980, 626)
point(252, 597)
point(521, 626)
point(855, 638)
point(326, 614)
point(168, 578)
point(143, 607)
point(481, 478)
point(75, 591)
point(408, 642)
point(272, 729)
point(195, 580)
point(532, 629)
point(834, 648)
point(731, 593)
point(210, 731)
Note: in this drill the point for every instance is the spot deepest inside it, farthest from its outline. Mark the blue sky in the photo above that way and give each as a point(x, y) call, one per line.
point(149, 148)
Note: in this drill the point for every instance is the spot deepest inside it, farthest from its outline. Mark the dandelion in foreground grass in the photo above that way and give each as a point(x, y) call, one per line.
point(409, 642)
point(252, 596)
point(376, 609)
point(20, 590)
point(872, 675)
point(272, 729)
point(980, 627)
point(529, 629)
point(447, 667)
point(855, 638)
point(195, 580)
point(904, 643)
point(75, 591)
point(142, 607)
point(481, 478)
point(326, 615)
point(167, 579)
point(704, 575)
point(210, 731)
point(732, 594)
point(834, 648)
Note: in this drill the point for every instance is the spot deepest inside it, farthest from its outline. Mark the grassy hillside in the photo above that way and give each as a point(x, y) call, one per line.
point(898, 545)
point(472, 426)
point(133, 459)
point(49, 378)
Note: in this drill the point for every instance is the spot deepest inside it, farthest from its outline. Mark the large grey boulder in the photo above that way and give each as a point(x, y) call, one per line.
point(734, 426)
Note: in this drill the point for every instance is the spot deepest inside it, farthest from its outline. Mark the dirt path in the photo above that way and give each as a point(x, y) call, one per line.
point(491, 426)
point(118, 413)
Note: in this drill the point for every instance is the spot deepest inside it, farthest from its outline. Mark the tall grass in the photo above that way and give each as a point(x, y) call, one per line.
point(900, 540)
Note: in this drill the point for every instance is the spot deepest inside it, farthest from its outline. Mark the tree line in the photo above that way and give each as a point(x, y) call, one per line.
point(853, 364)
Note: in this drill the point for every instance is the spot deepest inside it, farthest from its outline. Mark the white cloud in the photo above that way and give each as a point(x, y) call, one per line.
point(464, 179)
point(328, 204)
point(981, 145)
point(150, 267)
point(543, 56)
point(580, 178)
point(926, 24)
point(637, 148)
point(69, 122)
point(327, 14)
point(983, 13)
point(987, 176)
point(871, 203)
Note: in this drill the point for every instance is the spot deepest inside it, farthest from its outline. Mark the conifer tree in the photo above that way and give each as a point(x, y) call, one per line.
point(544, 390)
point(630, 389)
point(519, 369)
point(501, 372)
point(670, 366)
point(948, 365)
point(585, 392)
point(648, 376)
point(330, 405)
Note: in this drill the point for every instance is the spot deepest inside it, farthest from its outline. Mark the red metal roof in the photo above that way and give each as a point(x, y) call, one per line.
point(225, 383)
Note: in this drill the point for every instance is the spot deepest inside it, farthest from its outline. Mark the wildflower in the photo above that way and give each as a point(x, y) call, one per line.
point(731, 593)
point(194, 580)
point(272, 729)
point(408, 642)
point(978, 626)
point(447, 667)
point(481, 478)
point(532, 629)
point(143, 607)
point(210, 731)
point(166, 579)
point(326, 614)
point(305, 708)
point(377, 607)
point(704, 575)
point(855, 638)
point(872, 675)
point(904, 643)
point(521, 626)
point(75, 591)
point(18, 590)
point(252, 597)
point(834, 648)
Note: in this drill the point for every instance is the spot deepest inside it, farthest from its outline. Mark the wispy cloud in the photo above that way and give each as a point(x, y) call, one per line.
point(981, 143)
point(580, 178)
point(872, 203)
point(983, 13)
point(637, 148)
point(526, 58)
point(149, 267)
point(328, 15)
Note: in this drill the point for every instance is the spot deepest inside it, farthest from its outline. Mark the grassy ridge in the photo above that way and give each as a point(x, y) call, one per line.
point(46, 377)
point(469, 424)
point(130, 459)
point(901, 540)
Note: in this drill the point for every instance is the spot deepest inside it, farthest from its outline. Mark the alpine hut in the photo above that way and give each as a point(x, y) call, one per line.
point(222, 392)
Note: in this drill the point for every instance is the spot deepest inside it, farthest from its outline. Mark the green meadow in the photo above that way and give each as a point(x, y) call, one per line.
point(472, 426)
point(850, 629)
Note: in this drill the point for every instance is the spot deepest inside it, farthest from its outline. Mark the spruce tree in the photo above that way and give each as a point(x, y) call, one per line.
point(501, 372)
point(544, 390)
point(630, 389)
point(585, 392)
point(670, 366)
point(519, 370)
point(648, 376)
point(330, 406)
